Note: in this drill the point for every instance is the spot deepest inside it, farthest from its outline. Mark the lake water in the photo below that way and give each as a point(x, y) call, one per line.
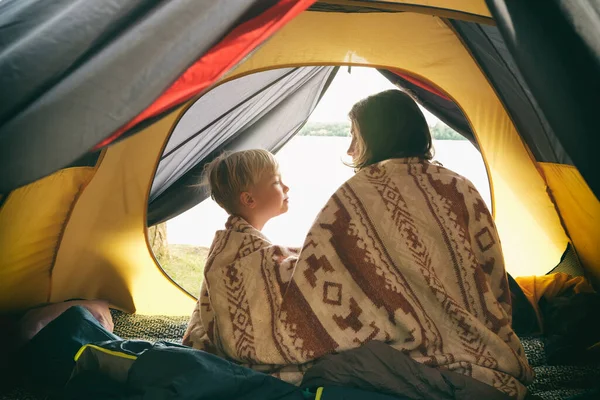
point(313, 168)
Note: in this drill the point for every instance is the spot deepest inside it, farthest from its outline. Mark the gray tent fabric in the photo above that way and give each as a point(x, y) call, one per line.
point(262, 110)
point(556, 46)
point(489, 50)
point(72, 72)
point(215, 117)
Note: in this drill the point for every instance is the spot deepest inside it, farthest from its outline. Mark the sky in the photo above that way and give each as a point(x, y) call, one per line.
point(347, 89)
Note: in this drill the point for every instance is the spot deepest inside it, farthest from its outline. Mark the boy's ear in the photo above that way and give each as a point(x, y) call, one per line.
point(246, 200)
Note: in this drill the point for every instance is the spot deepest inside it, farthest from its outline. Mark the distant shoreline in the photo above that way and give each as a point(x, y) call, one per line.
point(439, 131)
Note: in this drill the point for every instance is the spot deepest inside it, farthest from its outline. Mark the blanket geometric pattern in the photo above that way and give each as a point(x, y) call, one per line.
point(405, 252)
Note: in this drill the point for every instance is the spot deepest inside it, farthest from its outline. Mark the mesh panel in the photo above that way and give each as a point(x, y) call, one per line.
point(150, 328)
point(569, 263)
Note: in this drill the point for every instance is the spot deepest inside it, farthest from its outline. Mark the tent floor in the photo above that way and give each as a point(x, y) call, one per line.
point(552, 381)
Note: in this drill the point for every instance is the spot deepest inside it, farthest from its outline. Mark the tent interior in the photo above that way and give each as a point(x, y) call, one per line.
point(79, 230)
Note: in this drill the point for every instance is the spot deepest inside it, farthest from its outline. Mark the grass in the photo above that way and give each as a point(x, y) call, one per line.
point(185, 265)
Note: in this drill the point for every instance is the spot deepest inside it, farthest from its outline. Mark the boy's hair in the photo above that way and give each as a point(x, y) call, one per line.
point(231, 174)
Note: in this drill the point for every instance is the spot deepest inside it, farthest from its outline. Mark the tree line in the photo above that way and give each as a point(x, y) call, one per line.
point(439, 132)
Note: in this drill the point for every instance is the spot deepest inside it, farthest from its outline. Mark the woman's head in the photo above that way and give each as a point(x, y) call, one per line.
point(388, 125)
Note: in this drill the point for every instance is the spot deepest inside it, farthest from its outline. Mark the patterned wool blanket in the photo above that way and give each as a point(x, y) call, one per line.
point(405, 252)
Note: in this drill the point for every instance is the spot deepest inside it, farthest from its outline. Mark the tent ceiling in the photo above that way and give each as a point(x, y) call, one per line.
point(85, 53)
point(75, 73)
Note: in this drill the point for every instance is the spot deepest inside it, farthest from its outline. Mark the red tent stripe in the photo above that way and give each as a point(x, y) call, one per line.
point(421, 84)
point(218, 60)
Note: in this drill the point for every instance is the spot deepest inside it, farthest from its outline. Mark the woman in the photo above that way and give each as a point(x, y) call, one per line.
point(405, 252)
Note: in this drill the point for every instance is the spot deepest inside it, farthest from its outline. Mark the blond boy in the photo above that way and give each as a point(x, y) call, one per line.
point(247, 184)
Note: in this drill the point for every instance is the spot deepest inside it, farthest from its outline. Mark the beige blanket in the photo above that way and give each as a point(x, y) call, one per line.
point(404, 252)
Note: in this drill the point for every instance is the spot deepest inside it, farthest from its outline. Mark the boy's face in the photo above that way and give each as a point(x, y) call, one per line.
point(270, 196)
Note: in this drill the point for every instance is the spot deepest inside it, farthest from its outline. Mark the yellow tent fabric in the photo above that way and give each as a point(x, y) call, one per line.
point(580, 211)
point(104, 252)
point(32, 221)
point(550, 286)
point(81, 231)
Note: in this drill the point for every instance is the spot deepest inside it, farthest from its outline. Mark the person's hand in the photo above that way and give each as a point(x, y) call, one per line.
point(187, 339)
point(36, 319)
point(101, 311)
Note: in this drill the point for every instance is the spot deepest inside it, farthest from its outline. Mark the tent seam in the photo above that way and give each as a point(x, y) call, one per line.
point(183, 110)
point(555, 205)
point(414, 8)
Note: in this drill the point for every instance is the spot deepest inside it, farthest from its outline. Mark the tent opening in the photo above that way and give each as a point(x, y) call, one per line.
point(311, 164)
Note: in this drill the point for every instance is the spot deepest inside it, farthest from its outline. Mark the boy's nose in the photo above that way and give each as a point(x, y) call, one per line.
point(285, 188)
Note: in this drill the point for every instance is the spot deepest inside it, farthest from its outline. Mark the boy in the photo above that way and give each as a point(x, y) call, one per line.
point(247, 185)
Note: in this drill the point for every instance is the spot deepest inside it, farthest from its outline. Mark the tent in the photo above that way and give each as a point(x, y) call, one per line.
point(109, 110)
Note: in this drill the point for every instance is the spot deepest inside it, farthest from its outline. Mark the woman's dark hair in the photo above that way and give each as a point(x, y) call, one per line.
point(389, 125)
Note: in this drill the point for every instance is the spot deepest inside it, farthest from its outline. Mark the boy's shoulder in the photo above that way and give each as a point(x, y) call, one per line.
point(238, 237)
point(239, 225)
